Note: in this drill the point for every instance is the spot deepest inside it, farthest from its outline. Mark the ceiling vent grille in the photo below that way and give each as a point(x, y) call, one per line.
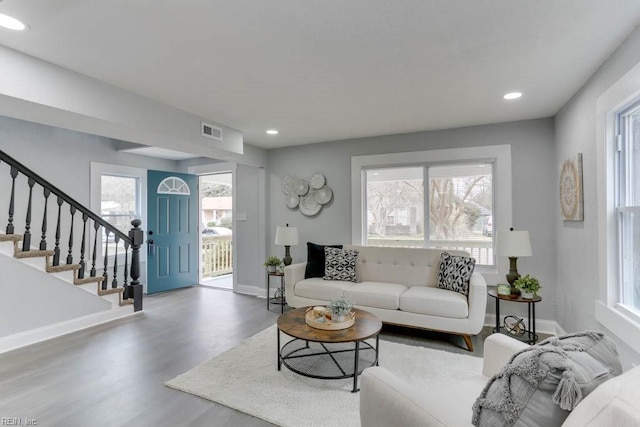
point(210, 131)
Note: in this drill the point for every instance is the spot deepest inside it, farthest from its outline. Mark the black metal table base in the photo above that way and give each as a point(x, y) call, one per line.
point(329, 361)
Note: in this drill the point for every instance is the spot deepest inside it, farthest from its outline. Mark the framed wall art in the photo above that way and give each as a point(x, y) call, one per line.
point(571, 194)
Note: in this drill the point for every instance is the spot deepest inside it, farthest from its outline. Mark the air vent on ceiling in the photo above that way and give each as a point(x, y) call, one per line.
point(210, 131)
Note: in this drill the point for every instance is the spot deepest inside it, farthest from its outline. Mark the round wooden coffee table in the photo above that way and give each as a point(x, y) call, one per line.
point(317, 353)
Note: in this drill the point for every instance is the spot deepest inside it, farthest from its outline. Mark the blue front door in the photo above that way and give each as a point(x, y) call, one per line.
point(172, 236)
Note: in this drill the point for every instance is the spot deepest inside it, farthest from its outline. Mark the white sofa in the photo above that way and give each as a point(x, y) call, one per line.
point(387, 400)
point(399, 285)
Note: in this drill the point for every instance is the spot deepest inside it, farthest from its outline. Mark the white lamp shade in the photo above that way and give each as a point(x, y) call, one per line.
point(286, 236)
point(513, 243)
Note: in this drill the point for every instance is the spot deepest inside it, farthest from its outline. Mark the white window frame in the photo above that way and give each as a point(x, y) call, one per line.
point(608, 311)
point(500, 154)
point(100, 169)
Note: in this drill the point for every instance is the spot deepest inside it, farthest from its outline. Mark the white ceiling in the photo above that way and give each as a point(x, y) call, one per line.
point(320, 70)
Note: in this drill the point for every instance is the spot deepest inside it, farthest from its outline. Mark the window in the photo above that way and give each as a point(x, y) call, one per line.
point(119, 195)
point(618, 139)
point(627, 206)
point(445, 199)
point(456, 208)
point(119, 204)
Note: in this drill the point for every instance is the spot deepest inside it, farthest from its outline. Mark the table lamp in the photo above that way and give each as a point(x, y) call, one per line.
point(513, 244)
point(287, 236)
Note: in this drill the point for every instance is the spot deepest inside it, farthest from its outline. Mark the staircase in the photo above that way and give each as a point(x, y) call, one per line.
point(73, 230)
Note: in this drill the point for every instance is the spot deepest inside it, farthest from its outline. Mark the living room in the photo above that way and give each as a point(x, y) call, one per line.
point(567, 255)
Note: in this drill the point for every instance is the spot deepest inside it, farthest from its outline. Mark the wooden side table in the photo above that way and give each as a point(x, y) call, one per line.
point(531, 305)
point(278, 300)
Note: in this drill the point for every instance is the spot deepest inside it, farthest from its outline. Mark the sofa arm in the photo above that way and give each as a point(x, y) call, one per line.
point(293, 274)
point(477, 303)
point(498, 349)
point(386, 400)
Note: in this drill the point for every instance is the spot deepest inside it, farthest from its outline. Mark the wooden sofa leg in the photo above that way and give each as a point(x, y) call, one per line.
point(467, 341)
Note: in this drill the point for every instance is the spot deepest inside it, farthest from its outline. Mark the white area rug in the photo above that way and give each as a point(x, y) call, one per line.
point(246, 378)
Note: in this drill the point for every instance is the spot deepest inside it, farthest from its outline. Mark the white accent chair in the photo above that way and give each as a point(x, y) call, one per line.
point(386, 400)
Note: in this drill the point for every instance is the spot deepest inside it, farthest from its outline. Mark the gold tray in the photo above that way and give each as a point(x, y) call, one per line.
point(328, 325)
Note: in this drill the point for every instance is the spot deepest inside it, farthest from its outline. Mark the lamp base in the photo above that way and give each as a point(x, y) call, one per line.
point(287, 260)
point(513, 274)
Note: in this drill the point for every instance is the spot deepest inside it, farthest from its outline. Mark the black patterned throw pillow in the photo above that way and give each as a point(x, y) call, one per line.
point(340, 264)
point(455, 272)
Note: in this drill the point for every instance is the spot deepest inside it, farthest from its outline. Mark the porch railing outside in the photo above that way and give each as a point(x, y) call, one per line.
point(216, 256)
point(481, 250)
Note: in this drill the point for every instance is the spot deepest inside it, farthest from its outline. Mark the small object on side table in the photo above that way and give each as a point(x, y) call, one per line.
point(504, 289)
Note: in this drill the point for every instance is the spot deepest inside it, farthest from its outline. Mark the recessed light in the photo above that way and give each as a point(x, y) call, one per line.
point(512, 95)
point(272, 132)
point(11, 23)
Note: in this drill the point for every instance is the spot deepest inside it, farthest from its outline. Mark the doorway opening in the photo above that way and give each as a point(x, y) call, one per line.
point(216, 230)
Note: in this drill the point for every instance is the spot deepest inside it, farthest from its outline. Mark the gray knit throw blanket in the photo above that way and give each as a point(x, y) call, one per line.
point(533, 365)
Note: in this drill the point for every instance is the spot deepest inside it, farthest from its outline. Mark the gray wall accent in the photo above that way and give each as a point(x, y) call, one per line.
point(577, 242)
point(534, 190)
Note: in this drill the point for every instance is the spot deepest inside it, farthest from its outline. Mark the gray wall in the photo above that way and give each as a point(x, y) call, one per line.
point(534, 189)
point(577, 242)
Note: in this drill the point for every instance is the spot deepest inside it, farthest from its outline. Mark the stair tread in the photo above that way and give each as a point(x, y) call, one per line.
point(126, 302)
point(110, 291)
point(10, 237)
point(33, 254)
point(85, 280)
point(62, 267)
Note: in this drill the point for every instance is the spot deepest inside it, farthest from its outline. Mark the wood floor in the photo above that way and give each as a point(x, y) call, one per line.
point(113, 375)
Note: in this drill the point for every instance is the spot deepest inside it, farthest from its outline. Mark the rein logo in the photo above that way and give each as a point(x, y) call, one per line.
point(17, 421)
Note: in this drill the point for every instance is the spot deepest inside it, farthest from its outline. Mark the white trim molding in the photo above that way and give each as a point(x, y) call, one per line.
point(620, 94)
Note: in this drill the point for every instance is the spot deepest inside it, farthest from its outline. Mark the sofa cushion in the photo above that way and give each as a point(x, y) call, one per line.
point(316, 260)
point(340, 264)
point(434, 302)
point(543, 383)
point(376, 294)
point(454, 272)
point(317, 288)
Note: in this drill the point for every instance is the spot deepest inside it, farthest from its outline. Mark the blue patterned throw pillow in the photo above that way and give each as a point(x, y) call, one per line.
point(340, 264)
point(455, 272)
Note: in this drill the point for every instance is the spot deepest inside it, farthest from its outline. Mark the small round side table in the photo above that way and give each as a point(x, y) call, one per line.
point(530, 333)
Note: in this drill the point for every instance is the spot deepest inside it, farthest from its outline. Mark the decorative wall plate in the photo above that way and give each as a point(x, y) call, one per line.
point(317, 181)
point(309, 206)
point(301, 187)
point(323, 195)
point(287, 183)
point(292, 200)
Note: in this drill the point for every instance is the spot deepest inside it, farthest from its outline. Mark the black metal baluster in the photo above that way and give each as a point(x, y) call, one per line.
point(70, 253)
point(43, 240)
point(114, 282)
point(105, 275)
point(14, 175)
point(26, 238)
point(96, 227)
point(56, 250)
point(85, 217)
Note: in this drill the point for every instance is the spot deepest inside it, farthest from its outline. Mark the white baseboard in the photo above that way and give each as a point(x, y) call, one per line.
point(550, 327)
point(247, 289)
point(48, 332)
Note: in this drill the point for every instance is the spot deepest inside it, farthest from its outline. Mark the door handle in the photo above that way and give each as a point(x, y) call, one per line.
point(151, 247)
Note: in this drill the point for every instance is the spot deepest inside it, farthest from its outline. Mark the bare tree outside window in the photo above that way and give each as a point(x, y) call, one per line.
point(459, 208)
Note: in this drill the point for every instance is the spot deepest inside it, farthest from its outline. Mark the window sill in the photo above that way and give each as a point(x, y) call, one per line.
point(626, 329)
